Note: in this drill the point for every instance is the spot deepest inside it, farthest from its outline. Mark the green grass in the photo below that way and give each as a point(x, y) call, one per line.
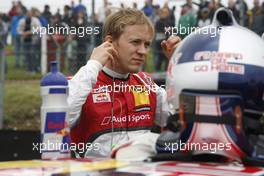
point(21, 98)
point(14, 73)
point(22, 105)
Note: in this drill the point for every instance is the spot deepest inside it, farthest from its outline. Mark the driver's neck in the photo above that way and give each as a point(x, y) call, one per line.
point(111, 72)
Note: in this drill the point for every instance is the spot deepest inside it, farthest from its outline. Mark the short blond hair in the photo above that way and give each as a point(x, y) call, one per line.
point(115, 23)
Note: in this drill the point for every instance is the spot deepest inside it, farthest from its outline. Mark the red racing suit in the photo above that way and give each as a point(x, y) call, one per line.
point(116, 108)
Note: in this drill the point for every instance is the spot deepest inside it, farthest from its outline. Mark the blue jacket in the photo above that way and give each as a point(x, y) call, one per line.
point(14, 24)
point(43, 21)
point(79, 8)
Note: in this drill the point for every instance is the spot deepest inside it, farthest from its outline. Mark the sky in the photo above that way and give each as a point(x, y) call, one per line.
point(5, 5)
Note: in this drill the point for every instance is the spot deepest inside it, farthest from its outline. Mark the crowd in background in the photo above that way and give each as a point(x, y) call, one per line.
point(75, 49)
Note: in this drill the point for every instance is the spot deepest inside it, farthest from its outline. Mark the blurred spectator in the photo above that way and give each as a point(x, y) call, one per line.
point(72, 5)
point(79, 8)
point(46, 13)
point(212, 8)
point(67, 18)
point(57, 14)
point(135, 5)
point(55, 41)
point(149, 10)
point(24, 9)
point(3, 36)
point(77, 47)
point(43, 21)
point(16, 38)
point(98, 37)
point(70, 54)
point(218, 4)
point(204, 19)
point(233, 8)
point(242, 8)
point(12, 12)
point(30, 40)
point(36, 13)
point(5, 27)
point(203, 4)
point(56, 22)
point(103, 12)
point(187, 21)
point(155, 17)
point(82, 39)
point(122, 6)
point(3, 30)
point(256, 18)
point(189, 4)
point(163, 22)
point(172, 17)
point(5, 18)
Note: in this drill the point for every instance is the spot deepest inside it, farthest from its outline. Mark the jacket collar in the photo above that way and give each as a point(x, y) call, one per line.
point(115, 75)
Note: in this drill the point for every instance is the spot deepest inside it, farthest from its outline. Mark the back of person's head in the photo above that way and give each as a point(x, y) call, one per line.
point(35, 12)
point(134, 5)
point(66, 8)
point(116, 22)
point(19, 3)
point(19, 10)
point(30, 13)
point(164, 13)
point(231, 3)
point(205, 12)
point(46, 7)
point(256, 3)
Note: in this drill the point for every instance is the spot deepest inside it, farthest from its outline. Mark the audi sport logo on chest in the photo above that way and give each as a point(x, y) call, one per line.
point(123, 119)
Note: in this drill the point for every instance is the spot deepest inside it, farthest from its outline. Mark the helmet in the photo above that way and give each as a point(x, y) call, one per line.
point(214, 80)
point(219, 57)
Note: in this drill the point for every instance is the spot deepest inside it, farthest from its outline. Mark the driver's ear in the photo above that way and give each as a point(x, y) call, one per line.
point(108, 38)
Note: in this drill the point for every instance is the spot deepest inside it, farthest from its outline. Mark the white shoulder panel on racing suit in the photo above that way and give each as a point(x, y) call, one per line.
point(79, 88)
